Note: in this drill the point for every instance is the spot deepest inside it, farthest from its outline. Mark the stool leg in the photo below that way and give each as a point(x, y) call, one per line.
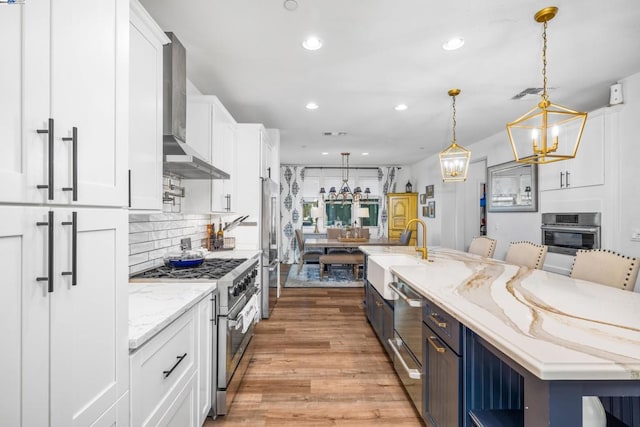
point(321, 270)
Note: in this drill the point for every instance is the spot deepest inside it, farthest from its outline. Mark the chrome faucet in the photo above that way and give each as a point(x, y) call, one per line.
point(423, 249)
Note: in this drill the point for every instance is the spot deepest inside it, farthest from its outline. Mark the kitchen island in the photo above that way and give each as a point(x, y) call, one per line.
point(532, 340)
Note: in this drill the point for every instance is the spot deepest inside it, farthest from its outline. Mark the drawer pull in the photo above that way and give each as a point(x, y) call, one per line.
point(432, 341)
point(411, 302)
point(435, 317)
point(180, 359)
point(414, 374)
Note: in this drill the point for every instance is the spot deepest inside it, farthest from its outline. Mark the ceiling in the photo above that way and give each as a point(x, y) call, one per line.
point(380, 53)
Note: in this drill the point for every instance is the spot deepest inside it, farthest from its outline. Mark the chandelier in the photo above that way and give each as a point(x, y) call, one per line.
point(548, 132)
point(454, 160)
point(345, 192)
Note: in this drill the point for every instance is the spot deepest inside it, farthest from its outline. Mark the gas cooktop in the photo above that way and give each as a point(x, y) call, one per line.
point(209, 269)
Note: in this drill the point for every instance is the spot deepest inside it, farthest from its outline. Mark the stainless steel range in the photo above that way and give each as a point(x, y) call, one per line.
point(238, 309)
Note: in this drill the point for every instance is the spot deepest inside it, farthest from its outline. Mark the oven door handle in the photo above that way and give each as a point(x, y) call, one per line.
point(412, 302)
point(414, 374)
point(570, 228)
point(237, 323)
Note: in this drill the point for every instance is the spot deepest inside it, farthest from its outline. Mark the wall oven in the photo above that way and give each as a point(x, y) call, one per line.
point(565, 233)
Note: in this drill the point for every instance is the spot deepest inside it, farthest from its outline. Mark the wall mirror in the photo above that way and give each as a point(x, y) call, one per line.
point(513, 187)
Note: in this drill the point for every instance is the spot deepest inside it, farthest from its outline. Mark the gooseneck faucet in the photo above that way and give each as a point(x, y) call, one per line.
point(423, 249)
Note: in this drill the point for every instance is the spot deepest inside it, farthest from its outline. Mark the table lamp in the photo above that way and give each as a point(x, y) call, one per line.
point(362, 213)
point(316, 213)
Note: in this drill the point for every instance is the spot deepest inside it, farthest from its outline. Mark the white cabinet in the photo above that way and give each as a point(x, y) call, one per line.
point(206, 355)
point(171, 373)
point(211, 130)
point(65, 359)
point(53, 81)
point(587, 169)
point(146, 42)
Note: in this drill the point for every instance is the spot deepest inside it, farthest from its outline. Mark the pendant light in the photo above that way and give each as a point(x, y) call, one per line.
point(454, 160)
point(548, 132)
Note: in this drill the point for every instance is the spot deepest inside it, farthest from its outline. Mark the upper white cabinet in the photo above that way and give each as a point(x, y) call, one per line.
point(146, 41)
point(587, 168)
point(64, 106)
point(64, 305)
point(211, 131)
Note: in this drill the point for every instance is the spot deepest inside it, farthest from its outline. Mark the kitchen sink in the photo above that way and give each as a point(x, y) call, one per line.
point(379, 275)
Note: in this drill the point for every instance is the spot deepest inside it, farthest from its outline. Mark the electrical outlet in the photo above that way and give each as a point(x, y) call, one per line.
point(635, 235)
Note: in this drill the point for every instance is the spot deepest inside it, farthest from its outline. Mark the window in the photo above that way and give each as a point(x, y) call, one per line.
point(307, 204)
point(342, 214)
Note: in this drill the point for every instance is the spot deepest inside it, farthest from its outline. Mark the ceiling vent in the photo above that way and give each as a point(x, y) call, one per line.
point(341, 133)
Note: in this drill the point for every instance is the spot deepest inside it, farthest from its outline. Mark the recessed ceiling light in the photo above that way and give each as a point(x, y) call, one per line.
point(365, 154)
point(311, 106)
point(325, 153)
point(400, 107)
point(453, 44)
point(290, 5)
point(312, 43)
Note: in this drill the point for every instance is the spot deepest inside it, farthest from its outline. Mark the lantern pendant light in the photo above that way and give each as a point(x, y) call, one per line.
point(454, 160)
point(548, 132)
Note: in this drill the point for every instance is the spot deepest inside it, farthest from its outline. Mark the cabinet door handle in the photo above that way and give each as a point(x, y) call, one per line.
point(74, 169)
point(561, 180)
point(180, 359)
point(215, 312)
point(74, 248)
point(437, 319)
point(567, 179)
point(413, 373)
point(412, 302)
point(439, 348)
point(49, 184)
point(49, 278)
point(378, 304)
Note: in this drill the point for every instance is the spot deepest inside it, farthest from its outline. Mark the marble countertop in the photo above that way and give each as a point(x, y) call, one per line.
point(153, 306)
point(389, 250)
point(556, 327)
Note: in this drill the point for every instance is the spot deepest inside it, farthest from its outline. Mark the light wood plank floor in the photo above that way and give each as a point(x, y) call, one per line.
point(317, 363)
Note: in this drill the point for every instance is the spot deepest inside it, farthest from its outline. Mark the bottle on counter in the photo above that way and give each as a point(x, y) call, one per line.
point(210, 228)
point(220, 236)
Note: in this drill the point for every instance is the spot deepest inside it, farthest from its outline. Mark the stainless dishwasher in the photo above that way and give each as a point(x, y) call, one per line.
point(407, 340)
point(443, 355)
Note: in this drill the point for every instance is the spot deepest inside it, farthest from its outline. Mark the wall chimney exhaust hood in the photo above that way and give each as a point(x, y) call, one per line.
point(179, 158)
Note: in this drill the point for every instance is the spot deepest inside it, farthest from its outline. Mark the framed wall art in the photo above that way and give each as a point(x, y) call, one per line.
point(423, 199)
point(429, 191)
point(431, 209)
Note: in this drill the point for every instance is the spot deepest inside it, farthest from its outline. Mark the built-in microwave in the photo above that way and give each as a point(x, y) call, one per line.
point(565, 233)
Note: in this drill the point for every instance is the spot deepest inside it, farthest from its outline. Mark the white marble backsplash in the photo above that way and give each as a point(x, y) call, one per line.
point(151, 236)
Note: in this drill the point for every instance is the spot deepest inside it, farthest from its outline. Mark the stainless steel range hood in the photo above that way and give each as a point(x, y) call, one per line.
point(179, 158)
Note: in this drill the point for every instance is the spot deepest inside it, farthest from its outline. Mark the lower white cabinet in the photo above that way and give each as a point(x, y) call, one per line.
point(64, 315)
point(167, 388)
point(207, 341)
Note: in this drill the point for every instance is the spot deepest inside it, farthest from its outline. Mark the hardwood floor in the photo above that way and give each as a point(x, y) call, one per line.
point(317, 363)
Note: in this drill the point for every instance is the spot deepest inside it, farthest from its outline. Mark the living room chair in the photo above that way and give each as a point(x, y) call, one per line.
point(306, 255)
point(483, 246)
point(606, 268)
point(526, 254)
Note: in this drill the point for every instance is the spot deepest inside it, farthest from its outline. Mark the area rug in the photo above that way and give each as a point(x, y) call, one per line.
point(309, 277)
